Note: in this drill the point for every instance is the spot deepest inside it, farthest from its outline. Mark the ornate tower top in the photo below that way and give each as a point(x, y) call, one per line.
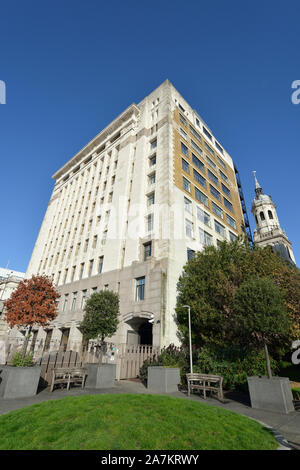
point(258, 188)
point(268, 230)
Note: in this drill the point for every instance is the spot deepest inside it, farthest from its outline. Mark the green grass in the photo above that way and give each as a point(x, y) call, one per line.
point(128, 422)
point(296, 393)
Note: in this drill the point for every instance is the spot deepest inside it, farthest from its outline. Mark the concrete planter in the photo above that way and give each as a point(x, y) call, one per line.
point(19, 382)
point(100, 375)
point(271, 394)
point(163, 379)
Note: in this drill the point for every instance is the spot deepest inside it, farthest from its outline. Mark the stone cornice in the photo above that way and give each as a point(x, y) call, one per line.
point(100, 138)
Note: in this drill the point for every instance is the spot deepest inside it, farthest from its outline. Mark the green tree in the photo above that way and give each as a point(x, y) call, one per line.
point(261, 318)
point(101, 316)
point(210, 280)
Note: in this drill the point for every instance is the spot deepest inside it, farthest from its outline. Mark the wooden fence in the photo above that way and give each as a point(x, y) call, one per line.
point(132, 357)
point(128, 358)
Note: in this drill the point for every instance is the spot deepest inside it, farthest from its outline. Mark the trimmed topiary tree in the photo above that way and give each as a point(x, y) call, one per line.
point(100, 320)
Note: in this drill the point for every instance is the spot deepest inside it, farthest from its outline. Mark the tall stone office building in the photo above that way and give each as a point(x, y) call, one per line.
point(129, 209)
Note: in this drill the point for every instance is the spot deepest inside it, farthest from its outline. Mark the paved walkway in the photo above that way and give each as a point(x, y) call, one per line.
point(287, 425)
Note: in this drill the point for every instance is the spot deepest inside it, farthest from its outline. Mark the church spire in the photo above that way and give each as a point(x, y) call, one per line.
point(258, 188)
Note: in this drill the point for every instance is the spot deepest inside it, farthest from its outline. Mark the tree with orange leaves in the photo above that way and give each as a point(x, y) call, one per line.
point(34, 302)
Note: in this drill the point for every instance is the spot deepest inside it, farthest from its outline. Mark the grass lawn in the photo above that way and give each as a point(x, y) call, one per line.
point(128, 422)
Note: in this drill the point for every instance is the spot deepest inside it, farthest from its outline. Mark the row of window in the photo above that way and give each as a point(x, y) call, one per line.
point(202, 181)
point(201, 197)
point(139, 295)
point(196, 147)
point(196, 161)
point(204, 236)
point(80, 272)
point(206, 133)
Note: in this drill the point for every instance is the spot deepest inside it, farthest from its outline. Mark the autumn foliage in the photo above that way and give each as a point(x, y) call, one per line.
point(34, 302)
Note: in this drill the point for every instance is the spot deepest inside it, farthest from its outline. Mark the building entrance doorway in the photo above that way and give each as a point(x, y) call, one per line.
point(139, 331)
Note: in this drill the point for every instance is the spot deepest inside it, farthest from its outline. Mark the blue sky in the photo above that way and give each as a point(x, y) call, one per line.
point(70, 67)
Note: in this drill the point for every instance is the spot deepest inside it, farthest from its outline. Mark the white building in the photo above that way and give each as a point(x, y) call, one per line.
point(268, 230)
point(128, 210)
point(9, 280)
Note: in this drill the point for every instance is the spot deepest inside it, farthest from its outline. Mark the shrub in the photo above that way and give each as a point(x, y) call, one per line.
point(19, 361)
point(233, 364)
point(171, 356)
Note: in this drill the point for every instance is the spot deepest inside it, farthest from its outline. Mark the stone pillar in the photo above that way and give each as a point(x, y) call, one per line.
point(75, 339)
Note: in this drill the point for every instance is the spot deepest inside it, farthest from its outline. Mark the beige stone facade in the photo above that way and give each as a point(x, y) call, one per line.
point(122, 217)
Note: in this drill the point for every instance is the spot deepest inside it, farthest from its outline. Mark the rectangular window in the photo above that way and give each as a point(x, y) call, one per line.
point(151, 178)
point(189, 230)
point(208, 134)
point(81, 270)
point(196, 147)
point(95, 241)
point(150, 222)
point(220, 229)
point(83, 298)
point(152, 161)
point(190, 254)
point(185, 166)
point(184, 149)
point(215, 193)
point(203, 216)
point(201, 197)
point(100, 264)
point(199, 178)
point(65, 276)
point(186, 185)
point(209, 149)
point(221, 162)
point(217, 210)
point(74, 301)
point(104, 237)
point(188, 205)
point(232, 236)
point(198, 162)
point(231, 221)
point(153, 144)
point(182, 119)
point(223, 176)
point(195, 133)
point(212, 177)
point(140, 289)
point(219, 147)
point(205, 238)
point(228, 204)
point(147, 250)
point(225, 190)
point(65, 302)
point(150, 199)
point(210, 162)
point(86, 245)
point(183, 134)
point(91, 264)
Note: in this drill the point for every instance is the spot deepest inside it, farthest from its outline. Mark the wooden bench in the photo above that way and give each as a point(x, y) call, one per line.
point(68, 376)
point(206, 382)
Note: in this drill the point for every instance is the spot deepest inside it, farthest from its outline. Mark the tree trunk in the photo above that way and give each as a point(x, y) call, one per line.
point(26, 342)
point(268, 361)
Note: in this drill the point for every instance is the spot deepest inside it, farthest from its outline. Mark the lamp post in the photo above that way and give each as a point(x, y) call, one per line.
point(190, 336)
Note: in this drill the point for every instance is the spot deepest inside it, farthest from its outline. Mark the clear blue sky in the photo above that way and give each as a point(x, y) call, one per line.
point(71, 67)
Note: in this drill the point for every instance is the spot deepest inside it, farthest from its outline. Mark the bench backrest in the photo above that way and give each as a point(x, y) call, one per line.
point(216, 378)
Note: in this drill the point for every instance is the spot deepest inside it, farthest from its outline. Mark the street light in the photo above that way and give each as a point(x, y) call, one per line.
point(190, 336)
